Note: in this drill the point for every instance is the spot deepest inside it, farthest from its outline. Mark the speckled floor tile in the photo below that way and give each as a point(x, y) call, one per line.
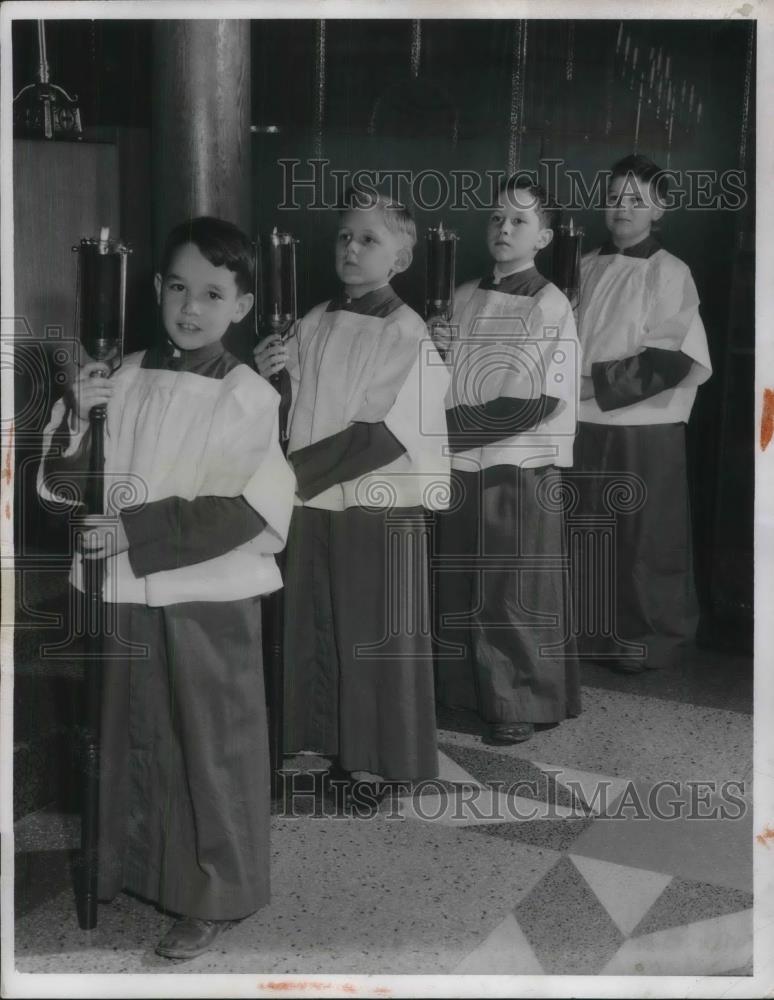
point(566, 925)
point(49, 939)
point(476, 805)
point(626, 893)
point(449, 770)
point(632, 736)
point(39, 876)
point(701, 679)
point(597, 792)
point(714, 851)
point(526, 780)
point(685, 902)
point(711, 947)
point(385, 896)
point(47, 830)
point(556, 835)
point(304, 793)
point(506, 952)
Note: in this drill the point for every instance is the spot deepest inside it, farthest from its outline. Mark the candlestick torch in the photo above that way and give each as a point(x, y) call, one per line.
point(100, 321)
point(276, 313)
point(441, 246)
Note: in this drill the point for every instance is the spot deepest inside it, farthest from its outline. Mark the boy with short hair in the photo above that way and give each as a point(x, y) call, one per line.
point(184, 794)
point(502, 629)
point(644, 354)
point(367, 435)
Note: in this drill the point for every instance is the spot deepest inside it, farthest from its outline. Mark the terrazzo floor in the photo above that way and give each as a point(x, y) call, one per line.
point(556, 856)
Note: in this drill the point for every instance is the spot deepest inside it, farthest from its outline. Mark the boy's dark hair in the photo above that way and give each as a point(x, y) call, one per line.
point(397, 216)
point(644, 169)
point(539, 195)
point(221, 242)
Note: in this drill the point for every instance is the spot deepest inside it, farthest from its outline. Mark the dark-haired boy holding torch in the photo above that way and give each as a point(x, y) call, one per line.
point(201, 497)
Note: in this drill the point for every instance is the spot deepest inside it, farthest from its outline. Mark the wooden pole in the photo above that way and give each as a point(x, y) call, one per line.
point(94, 576)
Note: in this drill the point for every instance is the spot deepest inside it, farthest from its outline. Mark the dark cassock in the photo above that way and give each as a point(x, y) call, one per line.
point(193, 464)
point(503, 628)
point(644, 346)
point(367, 443)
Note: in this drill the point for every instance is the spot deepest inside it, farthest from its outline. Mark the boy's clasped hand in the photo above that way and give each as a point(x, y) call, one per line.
point(102, 536)
point(91, 388)
point(271, 356)
point(441, 333)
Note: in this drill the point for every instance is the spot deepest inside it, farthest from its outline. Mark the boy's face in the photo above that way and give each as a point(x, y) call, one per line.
point(514, 232)
point(198, 300)
point(630, 210)
point(368, 254)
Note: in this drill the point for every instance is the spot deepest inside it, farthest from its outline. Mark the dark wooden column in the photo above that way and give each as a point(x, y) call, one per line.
point(201, 123)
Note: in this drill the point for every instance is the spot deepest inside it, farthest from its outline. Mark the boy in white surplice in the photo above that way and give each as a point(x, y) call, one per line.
point(184, 796)
point(504, 647)
point(644, 355)
point(367, 438)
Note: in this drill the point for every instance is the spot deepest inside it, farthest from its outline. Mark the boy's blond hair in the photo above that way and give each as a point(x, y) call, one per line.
point(397, 217)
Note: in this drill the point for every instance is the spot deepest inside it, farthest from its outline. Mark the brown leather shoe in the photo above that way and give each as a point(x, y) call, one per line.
point(511, 732)
point(190, 936)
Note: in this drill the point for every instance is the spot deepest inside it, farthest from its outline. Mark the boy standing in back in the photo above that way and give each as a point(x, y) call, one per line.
point(502, 622)
point(367, 438)
point(644, 354)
